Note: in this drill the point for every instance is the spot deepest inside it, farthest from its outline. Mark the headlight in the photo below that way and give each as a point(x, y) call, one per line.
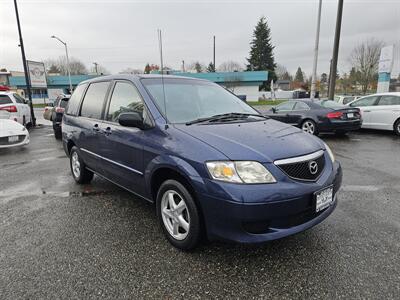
point(330, 152)
point(240, 172)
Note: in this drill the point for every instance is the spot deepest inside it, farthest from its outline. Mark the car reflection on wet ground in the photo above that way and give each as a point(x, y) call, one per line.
point(62, 240)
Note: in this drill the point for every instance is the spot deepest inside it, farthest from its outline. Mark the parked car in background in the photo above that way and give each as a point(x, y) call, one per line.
point(345, 99)
point(320, 116)
point(55, 111)
point(17, 107)
point(380, 111)
point(211, 163)
point(12, 134)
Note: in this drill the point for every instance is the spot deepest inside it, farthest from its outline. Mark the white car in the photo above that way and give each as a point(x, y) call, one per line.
point(12, 134)
point(380, 111)
point(17, 107)
point(345, 99)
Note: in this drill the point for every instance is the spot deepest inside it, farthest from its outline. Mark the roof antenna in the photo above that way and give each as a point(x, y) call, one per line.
point(162, 74)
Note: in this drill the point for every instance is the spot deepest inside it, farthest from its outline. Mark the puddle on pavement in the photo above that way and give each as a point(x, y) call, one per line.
point(31, 161)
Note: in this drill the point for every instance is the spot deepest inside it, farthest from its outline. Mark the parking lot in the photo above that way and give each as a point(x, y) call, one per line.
point(62, 240)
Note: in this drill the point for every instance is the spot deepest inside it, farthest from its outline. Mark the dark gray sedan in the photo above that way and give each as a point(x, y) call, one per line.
point(320, 116)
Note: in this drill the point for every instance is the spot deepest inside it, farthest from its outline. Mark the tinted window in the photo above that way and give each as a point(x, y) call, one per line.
point(19, 99)
point(4, 99)
point(389, 100)
point(301, 106)
point(92, 105)
point(367, 101)
point(125, 98)
point(73, 103)
point(286, 106)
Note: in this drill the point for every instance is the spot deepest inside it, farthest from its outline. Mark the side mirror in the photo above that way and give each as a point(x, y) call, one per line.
point(131, 119)
point(273, 110)
point(50, 104)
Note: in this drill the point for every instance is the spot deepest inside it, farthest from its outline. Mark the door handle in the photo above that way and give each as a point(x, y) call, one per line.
point(107, 131)
point(367, 111)
point(96, 128)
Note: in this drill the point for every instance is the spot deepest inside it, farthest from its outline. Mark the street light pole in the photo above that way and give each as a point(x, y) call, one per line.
point(332, 81)
point(66, 54)
point(215, 68)
point(27, 80)
point(314, 74)
point(95, 67)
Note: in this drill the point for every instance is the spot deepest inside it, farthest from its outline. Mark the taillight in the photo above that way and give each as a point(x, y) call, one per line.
point(334, 115)
point(60, 110)
point(10, 108)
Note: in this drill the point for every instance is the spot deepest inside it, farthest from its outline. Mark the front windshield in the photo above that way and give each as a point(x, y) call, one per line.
point(187, 100)
point(330, 104)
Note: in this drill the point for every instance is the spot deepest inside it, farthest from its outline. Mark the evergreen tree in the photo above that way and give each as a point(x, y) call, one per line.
point(211, 68)
point(261, 52)
point(299, 75)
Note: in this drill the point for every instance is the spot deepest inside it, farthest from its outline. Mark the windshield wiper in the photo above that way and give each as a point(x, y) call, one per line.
point(225, 117)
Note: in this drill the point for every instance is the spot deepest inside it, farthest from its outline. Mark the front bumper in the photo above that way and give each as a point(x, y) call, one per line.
point(266, 212)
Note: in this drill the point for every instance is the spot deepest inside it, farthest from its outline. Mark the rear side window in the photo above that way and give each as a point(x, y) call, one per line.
point(93, 101)
point(4, 99)
point(389, 100)
point(367, 101)
point(73, 103)
point(301, 106)
point(286, 106)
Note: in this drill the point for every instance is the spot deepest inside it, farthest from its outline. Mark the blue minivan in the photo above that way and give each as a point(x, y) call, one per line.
point(213, 166)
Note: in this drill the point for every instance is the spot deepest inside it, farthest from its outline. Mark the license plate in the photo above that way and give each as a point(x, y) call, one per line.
point(324, 198)
point(12, 139)
point(350, 115)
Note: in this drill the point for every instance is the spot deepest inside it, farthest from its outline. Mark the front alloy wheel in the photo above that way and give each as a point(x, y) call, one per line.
point(308, 126)
point(175, 215)
point(178, 215)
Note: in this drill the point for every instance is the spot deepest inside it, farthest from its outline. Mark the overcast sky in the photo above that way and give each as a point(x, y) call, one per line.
point(121, 34)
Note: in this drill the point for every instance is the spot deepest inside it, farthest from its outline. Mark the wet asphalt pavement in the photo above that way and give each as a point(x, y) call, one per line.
point(61, 240)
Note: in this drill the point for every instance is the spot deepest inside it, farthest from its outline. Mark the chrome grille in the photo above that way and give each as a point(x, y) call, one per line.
point(307, 168)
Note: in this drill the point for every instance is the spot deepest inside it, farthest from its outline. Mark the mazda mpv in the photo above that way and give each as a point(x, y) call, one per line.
point(213, 166)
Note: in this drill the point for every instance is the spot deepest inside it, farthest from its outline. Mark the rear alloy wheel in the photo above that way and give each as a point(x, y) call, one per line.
point(397, 127)
point(309, 126)
point(178, 215)
point(78, 168)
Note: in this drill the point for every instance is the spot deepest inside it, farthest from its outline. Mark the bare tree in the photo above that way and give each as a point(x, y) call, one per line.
point(77, 67)
point(365, 59)
point(131, 71)
point(230, 66)
point(282, 73)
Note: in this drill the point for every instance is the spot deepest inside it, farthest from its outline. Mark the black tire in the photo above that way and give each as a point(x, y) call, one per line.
point(194, 233)
point(396, 127)
point(57, 133)
point(84, 175)
point(311, 123)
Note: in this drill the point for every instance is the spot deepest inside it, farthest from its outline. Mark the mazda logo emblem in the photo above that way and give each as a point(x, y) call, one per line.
point(313, 167)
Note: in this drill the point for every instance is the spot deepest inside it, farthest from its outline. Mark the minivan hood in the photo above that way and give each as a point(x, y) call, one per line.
point(263, 141)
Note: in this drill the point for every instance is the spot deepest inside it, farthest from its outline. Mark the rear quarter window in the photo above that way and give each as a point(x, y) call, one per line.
point(4, 99)
point(74, 101)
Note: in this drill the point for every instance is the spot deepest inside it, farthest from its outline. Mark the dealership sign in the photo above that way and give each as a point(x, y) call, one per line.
point(37, 74)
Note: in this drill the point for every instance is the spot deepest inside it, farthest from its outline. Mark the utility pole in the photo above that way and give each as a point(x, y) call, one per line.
point(215, 68)
point(183, 66)
point(314, 74)
point(332, 81)
point(27, 80)
point(95, 67)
